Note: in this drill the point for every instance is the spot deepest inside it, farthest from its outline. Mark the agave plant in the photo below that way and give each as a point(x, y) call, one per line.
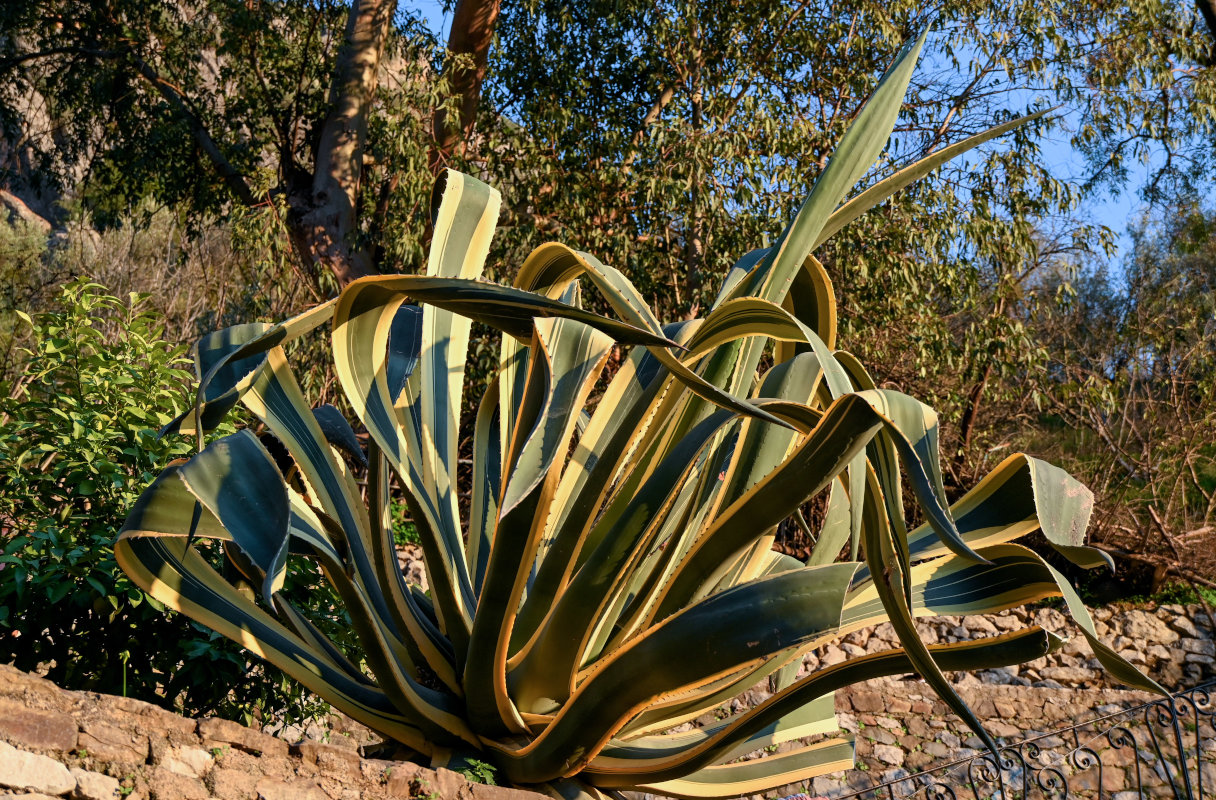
point(613, 576)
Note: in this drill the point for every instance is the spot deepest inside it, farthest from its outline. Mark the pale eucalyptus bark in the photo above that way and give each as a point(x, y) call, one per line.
point(322, 217)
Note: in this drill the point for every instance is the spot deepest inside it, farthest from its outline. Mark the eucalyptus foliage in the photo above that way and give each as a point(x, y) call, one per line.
point(612, 576)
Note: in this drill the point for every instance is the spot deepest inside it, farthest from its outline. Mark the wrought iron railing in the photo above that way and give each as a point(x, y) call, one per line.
point(1163, 748)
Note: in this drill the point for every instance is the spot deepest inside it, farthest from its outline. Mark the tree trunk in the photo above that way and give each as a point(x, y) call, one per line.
point(970, 414)
point(1207, 8)
point(471, 35)
point(322, 220)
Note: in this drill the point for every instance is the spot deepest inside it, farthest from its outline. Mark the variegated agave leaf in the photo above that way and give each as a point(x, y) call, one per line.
point(612, 576)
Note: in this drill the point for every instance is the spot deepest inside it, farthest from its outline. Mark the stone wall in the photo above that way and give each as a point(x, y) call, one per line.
point(902, 727)
point(55, 743)
point(1173, 644)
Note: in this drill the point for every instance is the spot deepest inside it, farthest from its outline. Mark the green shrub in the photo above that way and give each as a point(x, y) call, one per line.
point(24, 274)
point(405, 532)
point(78, 441)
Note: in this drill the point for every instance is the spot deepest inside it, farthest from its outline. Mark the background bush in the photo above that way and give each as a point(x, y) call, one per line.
point(77, 444)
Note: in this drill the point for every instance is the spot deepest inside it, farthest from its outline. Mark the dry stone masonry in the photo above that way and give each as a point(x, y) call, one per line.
point(1171, 643)
point(86, 746)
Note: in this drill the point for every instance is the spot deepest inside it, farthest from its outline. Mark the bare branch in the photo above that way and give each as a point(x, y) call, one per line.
point(16, 61)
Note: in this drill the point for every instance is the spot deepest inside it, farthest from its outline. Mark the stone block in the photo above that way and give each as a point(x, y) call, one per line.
point(178, 728)
point(292, 790)
point(1066, 676)
point(881, 736)
point(825, 786)
point(889, 754)
point(108, 743)
point(866, 700)
point(379, 770)
point(232, 783)
point(875, 645)
point(329, 757)
point(402, 778)
point(1003, 729)
point(222, 731)
point(1119, 756)
point(1202, 646)
point(37, 730)
point(936, 749)
point(1144, 627)
point(1005, 709)
point(978, 625)
point(898, 705)
point(480, 791)
point(15, 683)
point(94, 785)
point(1113, 779)
point(191, 761)
point(895, 777)
point(166, 785)
point(448, 783)
point(32, 772)
point(1185, 626)
point(1159, 652)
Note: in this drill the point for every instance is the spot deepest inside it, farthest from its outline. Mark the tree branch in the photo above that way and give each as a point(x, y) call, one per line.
point(472, 31)
point(16, 61)
point(233, 179)
point(1207, 8)
point(653, 114)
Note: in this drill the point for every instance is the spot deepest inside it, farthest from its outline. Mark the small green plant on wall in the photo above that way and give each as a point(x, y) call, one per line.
point(612, 576)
